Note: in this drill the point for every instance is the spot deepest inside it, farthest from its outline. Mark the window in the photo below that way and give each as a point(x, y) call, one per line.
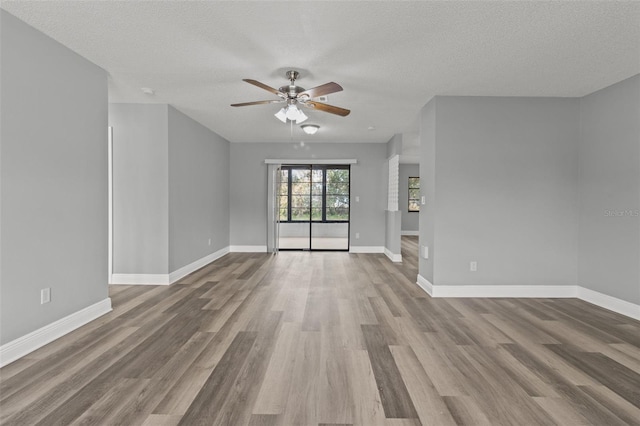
point(414, 194)
point(316, 193)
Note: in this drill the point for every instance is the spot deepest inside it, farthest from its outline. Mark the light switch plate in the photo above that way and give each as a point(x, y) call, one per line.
point(45, 295)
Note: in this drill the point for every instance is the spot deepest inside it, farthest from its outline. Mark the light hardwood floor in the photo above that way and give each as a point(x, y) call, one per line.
point(329, 338)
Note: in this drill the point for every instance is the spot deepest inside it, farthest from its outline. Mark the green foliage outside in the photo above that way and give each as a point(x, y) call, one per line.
point(414, 194)
point(307, 195)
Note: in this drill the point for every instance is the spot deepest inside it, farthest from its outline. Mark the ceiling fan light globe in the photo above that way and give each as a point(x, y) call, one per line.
point(281, 115)
point(292, 112)
point(301, 117)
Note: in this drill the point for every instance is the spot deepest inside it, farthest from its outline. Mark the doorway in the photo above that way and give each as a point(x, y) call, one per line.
point(313, 204)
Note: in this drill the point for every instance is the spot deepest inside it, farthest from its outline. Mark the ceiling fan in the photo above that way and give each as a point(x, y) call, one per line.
point(294, 95)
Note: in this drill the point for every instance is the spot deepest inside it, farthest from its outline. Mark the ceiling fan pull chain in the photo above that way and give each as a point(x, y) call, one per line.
point(291, 126)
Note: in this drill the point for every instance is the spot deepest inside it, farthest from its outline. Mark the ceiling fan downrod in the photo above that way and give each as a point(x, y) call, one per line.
point(292, 90)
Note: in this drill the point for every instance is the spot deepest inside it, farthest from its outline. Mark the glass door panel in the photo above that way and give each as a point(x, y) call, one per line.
point(329, 236)
point(295, 229)
point(330, 231)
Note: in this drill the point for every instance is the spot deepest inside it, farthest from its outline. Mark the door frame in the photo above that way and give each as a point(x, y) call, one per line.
point(311, 167)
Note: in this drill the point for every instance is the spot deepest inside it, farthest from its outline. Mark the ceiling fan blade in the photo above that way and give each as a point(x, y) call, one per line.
point(258, 103)
point(324, 89)
point(263, 86)
point(327, 108)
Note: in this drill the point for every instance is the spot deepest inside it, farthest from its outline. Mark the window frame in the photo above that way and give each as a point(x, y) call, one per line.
point(312, 168)
point(409, 199)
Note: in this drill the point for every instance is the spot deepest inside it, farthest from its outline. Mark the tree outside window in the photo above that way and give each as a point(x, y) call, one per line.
point(414, 194)
point(318, 193)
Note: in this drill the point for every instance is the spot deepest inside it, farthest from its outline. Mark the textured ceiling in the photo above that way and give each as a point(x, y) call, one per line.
point(391, 57)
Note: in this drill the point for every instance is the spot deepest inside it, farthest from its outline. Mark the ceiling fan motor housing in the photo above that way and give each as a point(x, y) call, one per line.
point(292, 90)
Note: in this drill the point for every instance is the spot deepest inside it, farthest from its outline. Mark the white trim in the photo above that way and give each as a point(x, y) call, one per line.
point(110, 201)
point(414, 233)
point(609, 302)
point(194, 266)
point(393, 174)
point(394, 257)
point(140, 279)
point(166, 279)
point(294, 161)
point(425, 284)
point(542, 291)
point(366, 249)
point(28, 343)
point(614, 304)
point(248, 249)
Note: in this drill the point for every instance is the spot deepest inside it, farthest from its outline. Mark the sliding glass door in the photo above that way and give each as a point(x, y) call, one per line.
point(314, 207)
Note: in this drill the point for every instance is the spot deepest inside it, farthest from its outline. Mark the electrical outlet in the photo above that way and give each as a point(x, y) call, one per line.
point(423, 200)
point(357, 235)
point(425, 252)
point(45, 295)
point(209, 241)
point(473, 266)
point(357, 198)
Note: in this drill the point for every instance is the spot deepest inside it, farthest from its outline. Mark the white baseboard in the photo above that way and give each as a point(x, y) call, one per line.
point(194, 266)
point(611, 303)
point(166, 279)
point(248, 249)
point(140, 279)
point(425, 284)
point(413, 233)
point(542, 291)
point(614, 304)
point(26, 344)
point(394, 257)
point(366, 249)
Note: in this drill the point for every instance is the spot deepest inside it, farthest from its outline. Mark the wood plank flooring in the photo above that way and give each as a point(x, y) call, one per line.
point(329, 339)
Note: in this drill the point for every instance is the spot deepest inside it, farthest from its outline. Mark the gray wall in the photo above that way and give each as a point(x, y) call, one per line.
point(427, 217)
point(198, 191)
point(140, 188)
point(171, 189)
point(409, 220)
point(506, 175)
point(53, 180)
point(609, 244)
point(249, 188)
